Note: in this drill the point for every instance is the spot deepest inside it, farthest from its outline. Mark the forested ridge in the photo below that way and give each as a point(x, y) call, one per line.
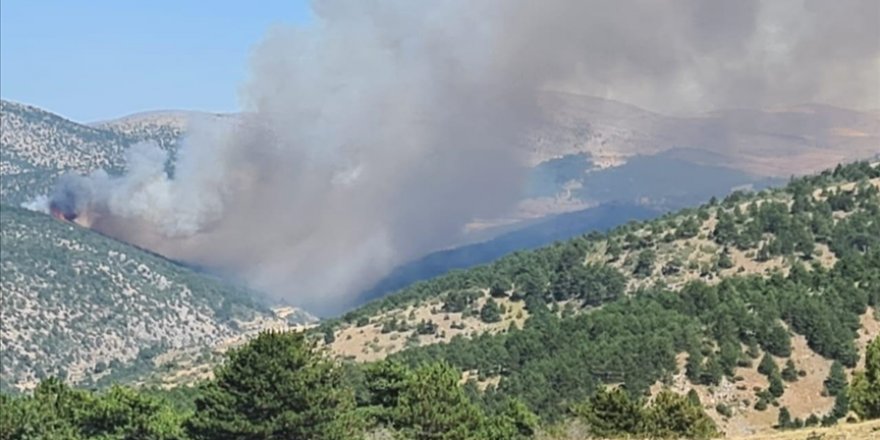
point(608, 322)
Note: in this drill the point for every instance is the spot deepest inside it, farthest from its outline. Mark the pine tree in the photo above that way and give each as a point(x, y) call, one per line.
point(694, 365)
point(865, 389)
point(724, 260)
point(433, 405)
point(789, 373)
point(776, 388)
point(671, 415)
point(613, 250)
point(611, 413)
point(689, 228)
point(490, 312)
point(784, 420)
point(836, 380)
point(57, 411)
point(645, 263)
point(767, 365)
point(693, 397)
point(275, 386)
point(712, 372)
point(385, 382)
point(513, 422)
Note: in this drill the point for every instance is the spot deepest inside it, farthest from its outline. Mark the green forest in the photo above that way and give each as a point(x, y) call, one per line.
point(589, 351)
point(280, 385)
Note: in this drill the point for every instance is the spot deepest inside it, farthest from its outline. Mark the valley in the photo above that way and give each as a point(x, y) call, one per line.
point(154, 323)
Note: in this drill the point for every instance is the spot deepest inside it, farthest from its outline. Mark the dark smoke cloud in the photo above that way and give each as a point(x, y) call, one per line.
point(376, 133)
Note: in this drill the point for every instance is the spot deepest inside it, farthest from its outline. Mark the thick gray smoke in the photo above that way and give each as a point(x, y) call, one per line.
point(377, 132)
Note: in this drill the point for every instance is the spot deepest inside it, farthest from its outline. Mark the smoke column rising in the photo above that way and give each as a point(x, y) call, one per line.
point(377, 132)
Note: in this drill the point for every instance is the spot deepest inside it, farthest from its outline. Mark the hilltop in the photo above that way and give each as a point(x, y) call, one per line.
point(80, 305)
point(689, 301)
point(36, 146)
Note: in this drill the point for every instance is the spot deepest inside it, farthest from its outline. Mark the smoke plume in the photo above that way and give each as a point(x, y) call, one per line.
point(375, 133)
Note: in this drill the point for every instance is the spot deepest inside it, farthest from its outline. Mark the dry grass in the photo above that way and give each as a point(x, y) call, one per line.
point(368, 343)
point(847, 431)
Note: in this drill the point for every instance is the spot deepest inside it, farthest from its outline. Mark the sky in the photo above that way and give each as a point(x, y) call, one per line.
point(112, 58)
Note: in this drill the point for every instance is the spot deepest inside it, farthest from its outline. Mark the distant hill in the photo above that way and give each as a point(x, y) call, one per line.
point(748, 303)
point(642, 188)
point(36, 146)
point(83, 306)
point(559, 227)
point(774, 142)
point(77, 303)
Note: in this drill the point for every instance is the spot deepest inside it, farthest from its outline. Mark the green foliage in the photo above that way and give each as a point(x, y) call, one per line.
point(428, 403)
point(784, 420)
point(694, 365)
point(767, 365)
point(761, 405)
point(56, 411)
point(689, 228)
point(634, 341)
point(724, 260)
point(611, 413)
point(777, 387)
point(724, 410)
point(432, 405)
point(836, 380)
point(592, 284)
point(458, 301)
point(864, 392)
point(789, 373)
point(693, 397)
point(275, 385)
point(645, 263)
point(490, 312)
point(671, 415)
point(513, 421)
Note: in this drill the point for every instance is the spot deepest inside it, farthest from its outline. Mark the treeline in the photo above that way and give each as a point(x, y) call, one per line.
point(767, 229)
point(561, 357)
point(555, 360)
point(279, 386)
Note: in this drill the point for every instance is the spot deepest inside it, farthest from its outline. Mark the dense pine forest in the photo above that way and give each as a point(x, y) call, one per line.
point(608, 321)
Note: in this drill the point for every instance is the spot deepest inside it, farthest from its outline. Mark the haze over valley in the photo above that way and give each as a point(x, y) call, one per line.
point(571, 219)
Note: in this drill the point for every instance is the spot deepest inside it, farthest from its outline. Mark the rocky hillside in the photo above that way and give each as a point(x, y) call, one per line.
point(751, 302)
point(83, 306)
point(36, 146)
point(78, 304)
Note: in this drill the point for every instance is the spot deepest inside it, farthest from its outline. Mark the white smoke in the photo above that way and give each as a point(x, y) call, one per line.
point(377, 132)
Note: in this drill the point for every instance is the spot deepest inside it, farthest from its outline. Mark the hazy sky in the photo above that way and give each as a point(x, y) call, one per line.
point(107, 58)
point(112, 58)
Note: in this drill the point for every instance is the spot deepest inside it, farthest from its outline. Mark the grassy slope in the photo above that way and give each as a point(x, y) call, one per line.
point(75, 302)
point(364, 333)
